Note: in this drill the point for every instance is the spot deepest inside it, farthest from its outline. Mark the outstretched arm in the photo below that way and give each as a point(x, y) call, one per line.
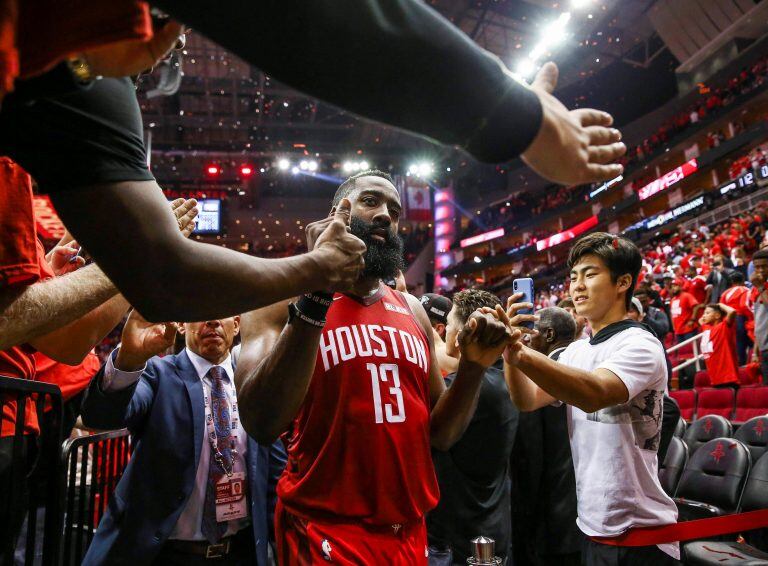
point(161, 273)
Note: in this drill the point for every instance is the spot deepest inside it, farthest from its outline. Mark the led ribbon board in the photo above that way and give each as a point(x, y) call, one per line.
point(667, 180)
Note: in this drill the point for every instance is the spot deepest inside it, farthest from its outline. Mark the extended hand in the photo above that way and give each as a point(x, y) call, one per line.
point(485, 337)
point(572, 147)
point(185, 211)
point(341, 253)
point(141, 340)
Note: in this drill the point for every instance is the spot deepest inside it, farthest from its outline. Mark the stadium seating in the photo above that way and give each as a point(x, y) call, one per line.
point(680, 428)
point(713, 552)
point(716, 402)
point(754, 435)
point(701, 380)
point(751, 402)
point(748, 378)
point(686, 400)
point(713, 480)
point(672, 468)
point(704, 430)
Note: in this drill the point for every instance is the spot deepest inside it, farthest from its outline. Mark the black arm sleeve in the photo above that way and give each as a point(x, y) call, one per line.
point(396, 61)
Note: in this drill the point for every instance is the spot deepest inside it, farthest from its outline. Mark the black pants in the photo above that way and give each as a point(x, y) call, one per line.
point(14, 498)
point(596, 554)
point(242, 553)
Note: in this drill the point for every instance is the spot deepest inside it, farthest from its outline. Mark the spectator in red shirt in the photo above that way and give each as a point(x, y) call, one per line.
point(719, 344)
point(684, 309)
point(737, 298)
point(696, 285)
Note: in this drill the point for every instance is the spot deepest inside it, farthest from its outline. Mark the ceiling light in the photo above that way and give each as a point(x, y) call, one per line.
point(283, 164)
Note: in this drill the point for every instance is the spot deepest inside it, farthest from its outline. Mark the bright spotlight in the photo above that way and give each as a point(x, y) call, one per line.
point(477, 259)
point(525, 68)
point(363, 165)
point(347, 167)
point(425, 169)
point(295, 170)
point(413, 169)
point(312, 165)
point(577, 4)
point(304, 165)
point(283, 164)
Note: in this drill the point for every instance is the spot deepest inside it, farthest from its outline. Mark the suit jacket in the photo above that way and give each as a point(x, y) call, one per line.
point(165, 414)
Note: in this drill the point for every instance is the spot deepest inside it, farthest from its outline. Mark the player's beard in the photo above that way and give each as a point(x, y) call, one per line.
point(383, 260)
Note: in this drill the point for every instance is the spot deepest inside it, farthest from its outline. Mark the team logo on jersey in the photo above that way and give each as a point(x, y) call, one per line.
point(326, 546)
point(395, 308)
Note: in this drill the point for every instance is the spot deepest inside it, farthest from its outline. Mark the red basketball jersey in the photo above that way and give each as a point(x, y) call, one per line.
point(359, 447)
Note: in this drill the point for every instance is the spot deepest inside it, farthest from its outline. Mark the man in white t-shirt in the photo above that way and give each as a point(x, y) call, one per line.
point(613, 385)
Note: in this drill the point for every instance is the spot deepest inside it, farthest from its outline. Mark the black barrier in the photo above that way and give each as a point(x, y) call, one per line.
point(94, 464)
point(27, 463)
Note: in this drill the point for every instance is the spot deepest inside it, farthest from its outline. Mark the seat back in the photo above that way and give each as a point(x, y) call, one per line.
point(748, 378)
point(672, 467)
point(754, 435)
point(751, 402)
point(703, 430)
point(680, 428)
point(716, 402)
point(686, 400)
point(716, 475)
point(701, 380)
point(756, 497)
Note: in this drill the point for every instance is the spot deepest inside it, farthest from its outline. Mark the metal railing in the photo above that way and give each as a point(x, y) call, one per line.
point(697, 355)
point(38, 478)
point(94, 465)
point(726, 211)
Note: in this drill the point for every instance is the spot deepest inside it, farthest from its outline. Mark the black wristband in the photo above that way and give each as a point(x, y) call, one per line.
point(315, 305)
point(294, 312)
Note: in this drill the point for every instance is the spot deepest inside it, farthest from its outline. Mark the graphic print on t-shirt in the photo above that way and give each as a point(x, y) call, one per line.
point(643, 413)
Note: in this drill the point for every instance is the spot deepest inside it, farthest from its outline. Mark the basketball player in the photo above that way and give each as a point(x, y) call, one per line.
point(351, 384)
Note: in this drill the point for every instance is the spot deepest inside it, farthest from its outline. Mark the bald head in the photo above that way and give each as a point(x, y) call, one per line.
point(556, 328)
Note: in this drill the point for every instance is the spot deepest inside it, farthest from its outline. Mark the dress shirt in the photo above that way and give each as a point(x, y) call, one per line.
point(188, 526)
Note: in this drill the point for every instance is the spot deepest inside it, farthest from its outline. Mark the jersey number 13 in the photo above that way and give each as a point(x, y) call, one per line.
point(389, 374)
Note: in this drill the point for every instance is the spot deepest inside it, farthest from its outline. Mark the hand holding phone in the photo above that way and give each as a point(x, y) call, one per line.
point(524, 286)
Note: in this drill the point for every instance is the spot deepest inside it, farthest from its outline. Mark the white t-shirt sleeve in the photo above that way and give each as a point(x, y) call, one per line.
point(639, 362)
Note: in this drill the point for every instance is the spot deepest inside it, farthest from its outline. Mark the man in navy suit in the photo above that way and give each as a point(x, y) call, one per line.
point(198, 489)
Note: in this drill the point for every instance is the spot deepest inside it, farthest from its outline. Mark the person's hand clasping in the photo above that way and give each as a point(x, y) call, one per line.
point(142, 340)
point(485, 337)
point(341, 252)
point(573, 147)
point(515, 319)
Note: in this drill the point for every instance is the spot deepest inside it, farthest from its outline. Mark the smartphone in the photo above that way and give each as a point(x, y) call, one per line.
point(524, 286)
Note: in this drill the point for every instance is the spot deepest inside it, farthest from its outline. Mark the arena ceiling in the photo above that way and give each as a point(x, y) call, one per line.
point(610, 56)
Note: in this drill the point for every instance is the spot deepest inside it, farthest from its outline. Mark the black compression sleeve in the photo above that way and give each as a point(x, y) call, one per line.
point(396, 61)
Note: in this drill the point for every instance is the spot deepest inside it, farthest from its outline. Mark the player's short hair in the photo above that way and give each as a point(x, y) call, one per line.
point(468, 301)
point(619, 254)
point(350, 184)
point(559, 320)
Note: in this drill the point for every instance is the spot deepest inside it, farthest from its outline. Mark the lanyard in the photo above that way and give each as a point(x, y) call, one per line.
point(212, 438)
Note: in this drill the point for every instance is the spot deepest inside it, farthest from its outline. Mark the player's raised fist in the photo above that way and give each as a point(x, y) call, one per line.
point(340, 253)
